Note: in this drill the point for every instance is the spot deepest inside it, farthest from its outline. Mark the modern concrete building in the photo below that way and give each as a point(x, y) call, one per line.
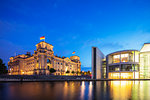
point(97, 63)
point(125, 64)
point(41, 61)
point(145, 61)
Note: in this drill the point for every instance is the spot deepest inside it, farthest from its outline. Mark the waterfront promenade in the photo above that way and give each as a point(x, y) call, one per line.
point(48, 78)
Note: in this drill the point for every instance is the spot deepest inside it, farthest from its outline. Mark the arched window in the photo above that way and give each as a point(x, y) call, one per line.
point(47, 67)
point(48, 61)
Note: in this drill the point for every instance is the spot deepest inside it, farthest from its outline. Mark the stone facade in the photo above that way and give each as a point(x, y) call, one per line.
point(41, 61)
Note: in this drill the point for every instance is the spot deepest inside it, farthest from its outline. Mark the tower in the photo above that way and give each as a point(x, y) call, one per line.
point(43, 55)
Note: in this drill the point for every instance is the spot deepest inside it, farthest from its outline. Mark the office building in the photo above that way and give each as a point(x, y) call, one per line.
point(125, 64)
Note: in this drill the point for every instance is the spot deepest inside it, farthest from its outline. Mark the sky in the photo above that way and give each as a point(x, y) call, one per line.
point(73, 25)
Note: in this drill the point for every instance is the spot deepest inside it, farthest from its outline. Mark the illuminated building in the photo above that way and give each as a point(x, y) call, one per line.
point(145, 61)
point(123, 65)
point(41, 61)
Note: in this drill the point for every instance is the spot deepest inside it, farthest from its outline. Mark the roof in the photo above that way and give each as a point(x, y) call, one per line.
point(122, 51)
point(44, 42)
point(74, 55)
point(145, 48)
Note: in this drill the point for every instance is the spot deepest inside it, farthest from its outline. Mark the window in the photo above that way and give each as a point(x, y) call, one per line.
point(116, 58)
point(114, 68)
point(47, 67)
point(124, 57)
point(136, 67)
point(136, 56)
point(126, 67)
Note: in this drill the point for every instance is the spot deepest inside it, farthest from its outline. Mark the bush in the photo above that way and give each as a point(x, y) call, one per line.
point(3, 68)
point(67, 71)
point(52, 70)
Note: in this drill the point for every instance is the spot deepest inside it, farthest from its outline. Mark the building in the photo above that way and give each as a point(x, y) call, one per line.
point(145, 61)
point(125, 64)
point(97, 63)
point(41, 61)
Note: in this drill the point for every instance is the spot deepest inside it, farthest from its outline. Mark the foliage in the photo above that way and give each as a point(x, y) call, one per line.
point(52, 70)
point(88, 73)
point(67, 71)
point(3, 68)
point(73, 72)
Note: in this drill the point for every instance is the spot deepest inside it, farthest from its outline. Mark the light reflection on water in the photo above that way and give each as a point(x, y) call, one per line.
point(100, 90)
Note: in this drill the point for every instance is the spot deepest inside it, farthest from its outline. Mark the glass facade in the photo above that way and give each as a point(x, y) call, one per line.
point(124, 57)
point(123, 65)
point(114, 68)
point(145, 61)
point(130, 56)
point(116, 58)
point(124, 75)
point(145, 65)
point(126, 67)
point(128, 64)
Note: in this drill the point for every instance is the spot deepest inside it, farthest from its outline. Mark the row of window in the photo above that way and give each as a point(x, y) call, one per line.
point(128, 57)
point(124, 67)
point(30, 63)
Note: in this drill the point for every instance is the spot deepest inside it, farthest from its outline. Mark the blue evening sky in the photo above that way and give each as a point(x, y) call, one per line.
point(73, 25)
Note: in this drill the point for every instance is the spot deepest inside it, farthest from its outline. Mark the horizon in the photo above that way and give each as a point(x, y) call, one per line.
point(73, 26)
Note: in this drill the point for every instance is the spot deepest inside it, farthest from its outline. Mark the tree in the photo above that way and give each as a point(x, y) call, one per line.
point(73, 72)
point(67, 71)
point(88, 73)
point(52, 70)
point(3, 68)
point(77, 72)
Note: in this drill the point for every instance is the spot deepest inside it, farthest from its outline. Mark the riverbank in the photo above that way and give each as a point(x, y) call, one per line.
point(60, 80)
point(53, 78)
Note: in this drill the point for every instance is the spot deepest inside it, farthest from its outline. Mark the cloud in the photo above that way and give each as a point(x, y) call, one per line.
point(112, 45)
point(92, 42)
point(116, 42)
point(124, 40)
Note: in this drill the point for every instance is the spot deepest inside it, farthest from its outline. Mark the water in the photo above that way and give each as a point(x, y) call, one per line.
point(100, 90)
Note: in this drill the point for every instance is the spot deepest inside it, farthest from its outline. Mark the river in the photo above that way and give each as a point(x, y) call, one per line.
point(76, 90)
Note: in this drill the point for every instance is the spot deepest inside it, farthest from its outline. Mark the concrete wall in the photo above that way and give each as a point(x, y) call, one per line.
point(97, 57)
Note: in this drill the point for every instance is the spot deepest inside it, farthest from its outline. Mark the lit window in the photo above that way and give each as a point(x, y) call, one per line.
point(116, 58)
point(124, 57)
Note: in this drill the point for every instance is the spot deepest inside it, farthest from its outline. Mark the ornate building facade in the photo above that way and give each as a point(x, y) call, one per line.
point(41, 61)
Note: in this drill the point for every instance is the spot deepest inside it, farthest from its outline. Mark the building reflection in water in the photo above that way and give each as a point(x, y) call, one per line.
point(100, 90)
point(92, 90)
point(82, 90)
point(120, 90)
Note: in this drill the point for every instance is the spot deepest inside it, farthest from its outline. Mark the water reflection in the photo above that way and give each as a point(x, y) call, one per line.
point(99, 90)
point(82, 90)
point(90, 91)
point(120, 90)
